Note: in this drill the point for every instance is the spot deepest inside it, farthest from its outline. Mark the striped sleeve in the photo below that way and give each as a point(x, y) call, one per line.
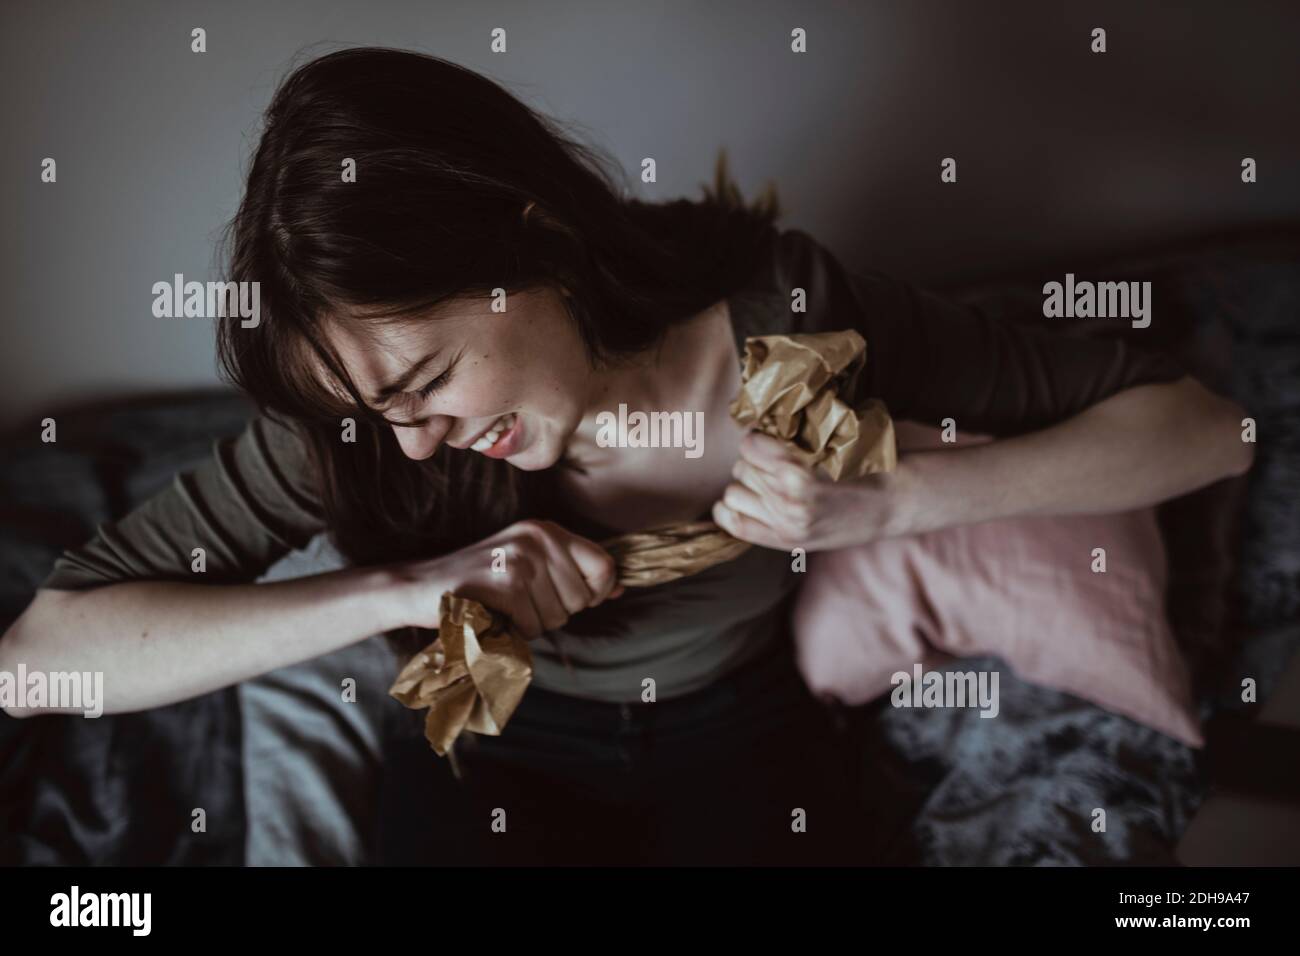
point(248, 504)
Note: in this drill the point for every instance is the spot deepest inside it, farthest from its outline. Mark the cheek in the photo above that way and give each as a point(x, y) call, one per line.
point(533, 362)
point(480, 387)
point(546, 381)
point(567, 368)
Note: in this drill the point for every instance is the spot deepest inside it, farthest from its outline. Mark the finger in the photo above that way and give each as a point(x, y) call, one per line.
point(745, 528)
point(550, 609)
point(785, 513)
point(745, 501)
point(768, 451)
point(567, 578)
point(790, 479)
point(570, 586)
point(595, 564)
point(524, 615)
point(756, 479)
point(513, 600)
point(786, 516)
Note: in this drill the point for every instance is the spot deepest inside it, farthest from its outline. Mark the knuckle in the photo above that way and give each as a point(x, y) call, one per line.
point(796, 480)
point(608, 571)
point(525, 564)
point(530, 527)
point(736, 496)
point(798, 512)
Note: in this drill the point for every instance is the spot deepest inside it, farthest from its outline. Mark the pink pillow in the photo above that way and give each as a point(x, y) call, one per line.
point(1021, 589)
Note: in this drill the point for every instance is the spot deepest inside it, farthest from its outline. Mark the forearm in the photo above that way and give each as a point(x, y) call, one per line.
point(1138, 447)
point(160, 642)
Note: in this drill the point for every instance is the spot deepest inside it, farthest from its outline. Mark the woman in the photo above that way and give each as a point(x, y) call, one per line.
point(395, 203)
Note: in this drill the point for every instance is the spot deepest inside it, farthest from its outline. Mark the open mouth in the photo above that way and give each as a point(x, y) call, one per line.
point(493, 435)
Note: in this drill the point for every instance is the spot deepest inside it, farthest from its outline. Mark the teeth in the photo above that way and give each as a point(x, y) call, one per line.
point(502, 425)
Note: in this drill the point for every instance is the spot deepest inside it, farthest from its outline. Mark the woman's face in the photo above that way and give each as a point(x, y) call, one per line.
point(512, 384)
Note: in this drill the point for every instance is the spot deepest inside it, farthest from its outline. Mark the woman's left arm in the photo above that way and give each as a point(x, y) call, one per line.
point(1083, 423)
point(1140, 446)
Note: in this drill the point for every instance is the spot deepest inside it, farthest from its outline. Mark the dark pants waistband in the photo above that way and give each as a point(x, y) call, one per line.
point(771, 671)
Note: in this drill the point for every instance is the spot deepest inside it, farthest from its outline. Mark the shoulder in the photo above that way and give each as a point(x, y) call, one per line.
point(790, 256)
point(794, 286)
point(273, 456)
point(284, 438)
point(798, 285)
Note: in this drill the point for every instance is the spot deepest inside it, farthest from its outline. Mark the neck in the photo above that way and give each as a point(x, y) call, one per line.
point(641, 382)
point(655, 380)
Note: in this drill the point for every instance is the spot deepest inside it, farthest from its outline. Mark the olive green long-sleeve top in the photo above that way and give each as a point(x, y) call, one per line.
point(928, 358)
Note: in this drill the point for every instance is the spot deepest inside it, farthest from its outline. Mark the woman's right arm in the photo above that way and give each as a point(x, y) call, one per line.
point(158, 642)
point(138, 604)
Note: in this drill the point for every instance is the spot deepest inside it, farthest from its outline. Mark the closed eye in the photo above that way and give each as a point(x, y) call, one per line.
point(435, 384)
point(441, 380)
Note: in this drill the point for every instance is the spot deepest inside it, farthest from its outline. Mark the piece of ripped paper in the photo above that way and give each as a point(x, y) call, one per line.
point(796, 388)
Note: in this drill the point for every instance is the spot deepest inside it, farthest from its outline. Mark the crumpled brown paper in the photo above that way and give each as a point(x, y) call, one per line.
point(792, 390)
point(793, 387)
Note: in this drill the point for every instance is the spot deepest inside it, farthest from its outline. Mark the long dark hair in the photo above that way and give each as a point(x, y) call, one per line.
point(446, 161)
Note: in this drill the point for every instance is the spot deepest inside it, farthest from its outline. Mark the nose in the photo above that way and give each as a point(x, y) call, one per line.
point(421, 441)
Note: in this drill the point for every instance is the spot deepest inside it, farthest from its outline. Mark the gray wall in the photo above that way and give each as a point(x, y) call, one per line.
point(1059, 150)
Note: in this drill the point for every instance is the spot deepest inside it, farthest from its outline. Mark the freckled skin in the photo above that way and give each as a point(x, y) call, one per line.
point(528, 360)
point(531, 361)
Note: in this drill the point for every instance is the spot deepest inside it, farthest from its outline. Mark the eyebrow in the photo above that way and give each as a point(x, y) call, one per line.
point(404, 380)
